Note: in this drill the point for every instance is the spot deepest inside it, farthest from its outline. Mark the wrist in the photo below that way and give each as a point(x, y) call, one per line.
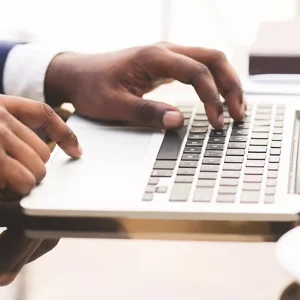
point(60, 79)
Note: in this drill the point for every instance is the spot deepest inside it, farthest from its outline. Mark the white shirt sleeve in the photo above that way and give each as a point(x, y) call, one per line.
point(25, 69)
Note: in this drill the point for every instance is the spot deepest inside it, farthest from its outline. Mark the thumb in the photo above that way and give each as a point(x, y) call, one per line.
point(154, 114)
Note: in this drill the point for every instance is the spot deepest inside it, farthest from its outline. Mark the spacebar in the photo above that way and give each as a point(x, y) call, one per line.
point(171, 144)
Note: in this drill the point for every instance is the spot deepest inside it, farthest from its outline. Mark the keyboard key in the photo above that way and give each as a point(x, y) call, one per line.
point(184, 109)
point(277, 137)
point(236, 146)
point(258, 142)
point(165, 164)
point(272, 174)
point(278, 124)
point(230, 174)
point(206, 183)
point(251, 186)
point(150, 189)
point(147, 197)
point(208, 175)
point(180, 192)
point(256, 156)
point(186, 122)
point(241, 125)
point(260, 135)
point(214, 147)
point(171, 144)
point(269, 199)
point(216, 140)
point(216, 133)
point(184, 179)
point(278, 130)
point(234, 159)
point(198, 130)
point(275, 151)
point(257, 149)
point(270, 191)
point(264, 129)
point(162, 173)
point(209, 168)
point(227, 190)
point(238, 139)
point(262, 123)
point(186, 171)
point(271, 182)
point(255, 163)
point(235, 152)
point(192, 150)
point(276, 145)
point(211, 161)
point(200, 118)
point(203, 124)
point(239, 132)
point(254, 171)
point(203, 195)
point(153, 180)
point(250, 197)
point(279, 118)
point(188, 164)
point(274, 159)
point(210, 153)
point(229, 182)
point(232, 167)
point(187, 115)
point(194, 136)
point(253, 178)
point(263, 116)
point(161, 189)
point(193, 157)
point(191, 143)
point(273, 167)
point(226, 198)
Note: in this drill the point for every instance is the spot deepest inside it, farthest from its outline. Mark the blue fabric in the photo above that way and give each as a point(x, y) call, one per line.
point(5, 47)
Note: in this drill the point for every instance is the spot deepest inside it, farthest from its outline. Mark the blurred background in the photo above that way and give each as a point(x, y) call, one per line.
point(104, 25)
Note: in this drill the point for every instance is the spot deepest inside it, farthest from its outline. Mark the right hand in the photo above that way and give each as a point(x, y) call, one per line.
point(22, 153)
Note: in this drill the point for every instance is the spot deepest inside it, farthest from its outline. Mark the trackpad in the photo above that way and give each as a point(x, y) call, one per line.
point(109, 145)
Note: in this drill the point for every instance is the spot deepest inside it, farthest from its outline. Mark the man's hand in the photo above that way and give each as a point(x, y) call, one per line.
point(22, 153)
point(111, 86)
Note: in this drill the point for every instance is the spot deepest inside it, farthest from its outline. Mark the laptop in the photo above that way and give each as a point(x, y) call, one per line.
point(248, 171)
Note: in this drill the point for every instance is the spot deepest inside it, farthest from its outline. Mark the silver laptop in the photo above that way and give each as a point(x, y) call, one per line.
point(247, 171)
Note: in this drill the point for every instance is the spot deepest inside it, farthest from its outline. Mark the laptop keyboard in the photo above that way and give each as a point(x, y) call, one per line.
point(238, 164)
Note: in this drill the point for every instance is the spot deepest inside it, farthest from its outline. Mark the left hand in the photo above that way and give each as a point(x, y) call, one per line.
point(111, 86)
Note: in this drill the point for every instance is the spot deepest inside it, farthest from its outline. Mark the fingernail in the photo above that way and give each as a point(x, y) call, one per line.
point(221, 120)
point(80, 149)
point(172, 119)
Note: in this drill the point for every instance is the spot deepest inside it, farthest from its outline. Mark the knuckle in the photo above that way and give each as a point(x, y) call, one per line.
point(4, 132)
point(46, 110)
point(218, 55)
point(4, 114)
point(28, 184)
point(150, 51)
point(146, 112)
point(201, 70)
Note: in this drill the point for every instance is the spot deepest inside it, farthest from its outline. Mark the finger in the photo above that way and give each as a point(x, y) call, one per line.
point(225, 76)
point(186, 70)
point(45, 247)
point(17, 177)
point(151, 113)
point(41, 116)
point(19, 150)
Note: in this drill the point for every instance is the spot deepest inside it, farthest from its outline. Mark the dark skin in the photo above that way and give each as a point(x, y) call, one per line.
point(110, 86)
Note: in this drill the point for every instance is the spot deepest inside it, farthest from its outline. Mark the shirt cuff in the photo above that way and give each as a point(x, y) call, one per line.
point(25, 70)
